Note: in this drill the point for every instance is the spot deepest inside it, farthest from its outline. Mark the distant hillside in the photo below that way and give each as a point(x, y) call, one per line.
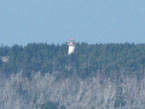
point(100, 76)
point(86, 61)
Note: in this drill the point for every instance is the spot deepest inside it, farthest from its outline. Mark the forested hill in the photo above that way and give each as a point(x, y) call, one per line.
point(87, 59)
point(99, 76)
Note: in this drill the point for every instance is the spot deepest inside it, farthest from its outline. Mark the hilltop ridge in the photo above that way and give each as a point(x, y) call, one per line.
point(86, 60)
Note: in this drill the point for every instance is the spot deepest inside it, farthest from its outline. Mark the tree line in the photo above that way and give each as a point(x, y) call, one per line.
point(87, 59)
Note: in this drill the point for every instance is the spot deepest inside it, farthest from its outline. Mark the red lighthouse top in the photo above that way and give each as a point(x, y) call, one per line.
point(71, 39)
point(71, 42)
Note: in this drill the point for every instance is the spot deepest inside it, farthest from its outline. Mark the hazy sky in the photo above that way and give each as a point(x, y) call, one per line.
point(55, 21)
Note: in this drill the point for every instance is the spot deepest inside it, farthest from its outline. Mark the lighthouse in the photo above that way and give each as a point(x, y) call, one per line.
point(71, 46)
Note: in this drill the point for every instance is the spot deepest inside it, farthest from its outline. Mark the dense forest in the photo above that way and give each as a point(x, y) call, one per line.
point(87, 59)
point(95, 76)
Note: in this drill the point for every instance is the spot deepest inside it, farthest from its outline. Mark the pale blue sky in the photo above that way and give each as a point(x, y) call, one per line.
point(55, 21)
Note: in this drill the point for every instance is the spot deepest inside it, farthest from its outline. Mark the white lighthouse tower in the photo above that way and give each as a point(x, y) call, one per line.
point(71, 45)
